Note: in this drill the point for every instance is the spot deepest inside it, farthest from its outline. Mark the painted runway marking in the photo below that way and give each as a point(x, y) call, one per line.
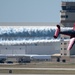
point(39, 68)
point(37, 74)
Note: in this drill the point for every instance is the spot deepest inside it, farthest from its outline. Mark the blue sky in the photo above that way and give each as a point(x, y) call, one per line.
point(30, 10)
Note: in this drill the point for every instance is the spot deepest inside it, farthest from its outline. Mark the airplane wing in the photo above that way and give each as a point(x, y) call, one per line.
point(72, 40)
point(57, 31)
point(71, 43)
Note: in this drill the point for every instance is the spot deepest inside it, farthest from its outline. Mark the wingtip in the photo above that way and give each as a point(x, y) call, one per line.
point(58, 26)
point(55, 37)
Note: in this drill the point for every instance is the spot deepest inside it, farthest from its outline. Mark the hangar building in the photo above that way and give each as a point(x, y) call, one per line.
point(16, 40)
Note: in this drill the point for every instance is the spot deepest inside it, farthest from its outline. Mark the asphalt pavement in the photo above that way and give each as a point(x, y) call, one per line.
point(37, 74)
point(39, 68)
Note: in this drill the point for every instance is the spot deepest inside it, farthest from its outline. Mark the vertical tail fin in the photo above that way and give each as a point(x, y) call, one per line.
point(57, 31)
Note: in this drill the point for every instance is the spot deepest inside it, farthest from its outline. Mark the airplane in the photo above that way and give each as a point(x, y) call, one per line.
point(70, 33)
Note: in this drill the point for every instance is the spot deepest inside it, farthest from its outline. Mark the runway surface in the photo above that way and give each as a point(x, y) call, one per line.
point(65, 69)
point(39, 68)
point(37, 74)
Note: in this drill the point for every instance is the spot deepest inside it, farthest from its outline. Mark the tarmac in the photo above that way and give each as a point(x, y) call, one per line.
point(67, 69)
point(37, 74)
